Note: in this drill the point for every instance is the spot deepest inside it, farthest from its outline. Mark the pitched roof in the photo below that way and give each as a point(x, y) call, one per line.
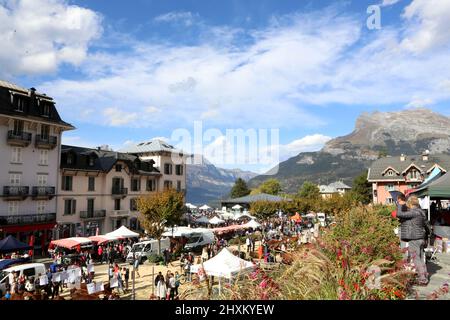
point(103, 160)
point(379, 166)
point(31, 110)
point(154, 145)
point(255, 197)
point(339, 185)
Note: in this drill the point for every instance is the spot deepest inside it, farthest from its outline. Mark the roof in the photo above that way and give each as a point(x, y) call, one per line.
point(439, 188)
point(103, 160)
point(333, 187)
point(33, 102)
point(379, 166)
point(256, 197)
point(339, 185)
point(154, 145)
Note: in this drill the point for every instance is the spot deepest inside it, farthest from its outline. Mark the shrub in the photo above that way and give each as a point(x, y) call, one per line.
point(155, 258)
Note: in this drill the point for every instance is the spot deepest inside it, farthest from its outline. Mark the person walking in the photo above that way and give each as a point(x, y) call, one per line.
point(177, 283)
point(248, 243)
point(100, 254)
point(136, 267)
point(413, 230)
point(172, 285)
point(161, 290)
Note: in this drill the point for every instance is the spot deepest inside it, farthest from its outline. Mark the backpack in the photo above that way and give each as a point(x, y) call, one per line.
point(428, 227)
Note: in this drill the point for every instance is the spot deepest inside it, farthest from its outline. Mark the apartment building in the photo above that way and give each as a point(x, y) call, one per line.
point(30, 141)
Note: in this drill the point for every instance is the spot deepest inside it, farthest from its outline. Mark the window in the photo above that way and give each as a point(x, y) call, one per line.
point(42, 180)
point(29, 272)
point(151, 185)
point(91, 161)
point(16, 155)
point(133, 205)
point(414, 174)
point(67, 183)
point(167, 184)
point(167, 168)
point(118, 167)
point(43, 157)
point(91, 184)
point(179, 170)
point(117, 204)
point(14, 179)
point(19, 103)
point(390, 173)
point(13, 207)
point(178, 186)
point(45, 131)
point(135, 184)
point(390, 187)
point(70, 206)
point(41, 207)
point(389, 201)
point(69, 159)
point(375, 193)
point(45, 109)
point(18, 127)
point(90, 206)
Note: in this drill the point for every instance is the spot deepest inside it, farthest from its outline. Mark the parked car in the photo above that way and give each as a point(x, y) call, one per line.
point(144, 249)
point(197, 241)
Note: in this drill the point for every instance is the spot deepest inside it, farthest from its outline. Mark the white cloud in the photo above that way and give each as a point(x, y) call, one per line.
point(387, 3)
point(429, 25)
point(418, 103)
point(185, 17)
point(39, 35)
point(118, 117)
point(308, 143)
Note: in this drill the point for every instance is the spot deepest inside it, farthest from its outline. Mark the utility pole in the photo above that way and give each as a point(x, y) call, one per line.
point(134, 274)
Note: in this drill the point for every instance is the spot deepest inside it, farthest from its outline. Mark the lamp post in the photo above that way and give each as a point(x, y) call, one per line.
point(134, 273)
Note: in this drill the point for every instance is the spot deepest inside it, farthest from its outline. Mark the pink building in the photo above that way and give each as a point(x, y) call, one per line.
point(401, 173)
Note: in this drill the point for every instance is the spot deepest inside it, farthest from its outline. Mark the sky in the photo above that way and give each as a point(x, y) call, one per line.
point(124, 72)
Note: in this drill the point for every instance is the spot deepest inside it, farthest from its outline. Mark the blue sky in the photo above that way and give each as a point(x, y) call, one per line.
point(125, 72)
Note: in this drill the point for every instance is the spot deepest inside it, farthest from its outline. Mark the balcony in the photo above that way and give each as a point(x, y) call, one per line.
point(40, 193)
point(119, 213)
point(46, 142)
point(96, 214)
point(20, 139)
point(27, 219)
point(16, 192)
point(122, 192)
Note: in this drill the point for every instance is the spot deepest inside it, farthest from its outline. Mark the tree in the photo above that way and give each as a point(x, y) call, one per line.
point(271, 186)
point(263, 209)
point(362, 190)
point(239, 189)
point(159, 210)
point(309, 191)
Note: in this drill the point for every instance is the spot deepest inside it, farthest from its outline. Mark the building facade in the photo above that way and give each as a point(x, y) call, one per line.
point(402, 173)
point(30, 142)
point(339, 187)
point(99, 188)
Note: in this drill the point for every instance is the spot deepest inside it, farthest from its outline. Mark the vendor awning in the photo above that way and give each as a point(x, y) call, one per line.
point(438, 189)
point(101, 239)
point(123, 232)
point(71, 243)
point(11, 244)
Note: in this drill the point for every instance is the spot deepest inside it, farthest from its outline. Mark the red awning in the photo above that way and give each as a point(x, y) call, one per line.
point(29, 227)
point(228, 228)
point(71, 243)
point(103, 239)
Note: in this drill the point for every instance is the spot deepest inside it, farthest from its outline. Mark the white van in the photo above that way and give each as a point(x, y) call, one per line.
point(198, 240)
point(143, 250)
point(28, 270)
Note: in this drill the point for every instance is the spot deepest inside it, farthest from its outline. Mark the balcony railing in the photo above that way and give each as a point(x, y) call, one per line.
point(120, 213)
point(92, 214)
point(27, 219)
point(43, 192)
point(46, 142)
point(19, 138)
point(16, 192)
point(119, 191)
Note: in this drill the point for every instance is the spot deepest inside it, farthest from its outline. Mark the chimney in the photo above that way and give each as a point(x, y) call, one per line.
point(402, 158)
point(32, 94)
point(425, 155)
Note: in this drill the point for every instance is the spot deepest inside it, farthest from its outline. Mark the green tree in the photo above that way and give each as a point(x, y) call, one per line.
point(271, 186)
point(362, 189)
point(160, 210)
point(309, 191)
point(263, 209)
point(239, 189)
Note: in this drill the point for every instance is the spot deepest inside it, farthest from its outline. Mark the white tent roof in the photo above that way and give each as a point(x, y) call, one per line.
point(205, 207)
point(237, 206)
point(216, 220)
point(252, 224)
point(183, 231)
point(191, 206)
point(225, 265)
point(123, 232)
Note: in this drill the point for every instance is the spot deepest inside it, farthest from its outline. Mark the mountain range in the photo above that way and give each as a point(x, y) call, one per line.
point(410, 131)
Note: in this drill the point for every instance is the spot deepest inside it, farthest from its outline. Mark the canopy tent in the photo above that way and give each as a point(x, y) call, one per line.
point(123, 232)
point(252, 224)
point(225, 265)
point(310, 215)
point(11, 244)
point(191, 206)
point(243, 215)
point(228, 228)
point(202, 219)
point(101, 239)
point(227, 215)
point(205, 207)
point(71, 243)
point(216, 220)
point(437, 189)
point(178, 232)
point(236, 207)
point(296, 217)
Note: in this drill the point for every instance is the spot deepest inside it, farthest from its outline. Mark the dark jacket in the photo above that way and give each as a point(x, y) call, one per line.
point(412, 224)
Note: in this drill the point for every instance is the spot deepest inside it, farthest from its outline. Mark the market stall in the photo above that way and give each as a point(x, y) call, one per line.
point(71, 243)
point(123, 233)
point(216, 220)
point(11, 244)
point(102, 239)
point(252, 224)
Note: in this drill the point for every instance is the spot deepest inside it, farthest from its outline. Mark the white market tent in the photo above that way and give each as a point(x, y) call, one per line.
point(183, 231)
point(227, 215)
point(252, 224)
point(191, 206)
point(216, 220)
point(123, 232)
point(224, 265)
point(237, 207)
point(205, 207)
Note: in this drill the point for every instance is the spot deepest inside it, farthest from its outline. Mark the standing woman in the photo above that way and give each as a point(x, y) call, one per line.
point(161, 289)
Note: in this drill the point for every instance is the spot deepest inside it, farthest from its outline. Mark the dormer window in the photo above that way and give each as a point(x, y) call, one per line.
point(69, 158)
point(19, 103)
point(390, 173)
point(45, 109)
point(91, 161)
